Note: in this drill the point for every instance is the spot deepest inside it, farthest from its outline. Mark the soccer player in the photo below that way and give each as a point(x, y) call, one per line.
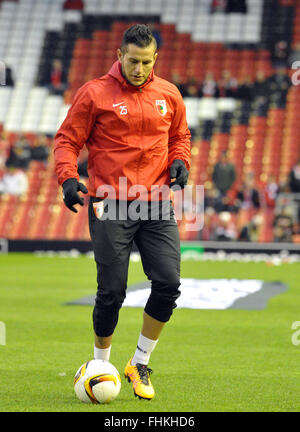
point(134, 126)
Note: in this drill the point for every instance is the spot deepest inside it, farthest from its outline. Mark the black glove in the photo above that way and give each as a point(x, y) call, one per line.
point(179, 172)
point(71, 197)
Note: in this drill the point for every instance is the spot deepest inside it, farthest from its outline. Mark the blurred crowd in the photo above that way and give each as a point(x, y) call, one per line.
point(263, 87)
point(229, 6)
point(15, 159)
point(223, 204)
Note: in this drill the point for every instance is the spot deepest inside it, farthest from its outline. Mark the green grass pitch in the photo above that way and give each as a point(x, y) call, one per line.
point(205, 360)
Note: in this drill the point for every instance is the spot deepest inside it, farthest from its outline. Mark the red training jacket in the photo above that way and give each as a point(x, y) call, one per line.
point(131, 132)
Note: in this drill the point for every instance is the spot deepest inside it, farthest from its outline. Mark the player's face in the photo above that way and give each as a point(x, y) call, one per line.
point(137, 63)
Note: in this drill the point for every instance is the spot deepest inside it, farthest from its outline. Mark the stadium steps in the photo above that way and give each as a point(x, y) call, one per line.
point(61, 30)
point(78, 39)
point(35, 104)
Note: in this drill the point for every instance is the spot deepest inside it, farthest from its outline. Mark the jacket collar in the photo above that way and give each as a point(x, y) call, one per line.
point(116, 72)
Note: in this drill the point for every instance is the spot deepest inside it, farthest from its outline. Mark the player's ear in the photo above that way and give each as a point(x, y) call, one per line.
point(119, 54)
point(155, 56)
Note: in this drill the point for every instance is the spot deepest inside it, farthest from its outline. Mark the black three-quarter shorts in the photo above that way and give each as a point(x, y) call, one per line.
point(113, 228)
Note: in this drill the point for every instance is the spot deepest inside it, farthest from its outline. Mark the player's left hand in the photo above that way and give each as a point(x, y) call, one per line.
point(178, 174)
point(71, 187)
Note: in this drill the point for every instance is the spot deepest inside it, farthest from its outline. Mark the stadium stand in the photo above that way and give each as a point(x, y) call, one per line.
point(232, 68)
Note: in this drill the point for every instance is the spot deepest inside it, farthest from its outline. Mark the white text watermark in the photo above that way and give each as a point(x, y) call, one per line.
point(137, 202)
point(295, 336)
point(2, 333)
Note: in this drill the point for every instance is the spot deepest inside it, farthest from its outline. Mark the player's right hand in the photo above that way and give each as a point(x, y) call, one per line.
point(71, 197)
point(178, 174)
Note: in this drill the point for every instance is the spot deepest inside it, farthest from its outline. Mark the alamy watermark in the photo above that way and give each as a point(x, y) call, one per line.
point(138, 203)
point(296, 75)
point(2, 333)
point(296, 335)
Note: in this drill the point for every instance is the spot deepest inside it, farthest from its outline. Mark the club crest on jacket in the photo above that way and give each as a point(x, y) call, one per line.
point(161, 105)
point(98, 209)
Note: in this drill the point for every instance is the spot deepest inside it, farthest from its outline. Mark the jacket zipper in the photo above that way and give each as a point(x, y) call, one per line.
point(142, 150)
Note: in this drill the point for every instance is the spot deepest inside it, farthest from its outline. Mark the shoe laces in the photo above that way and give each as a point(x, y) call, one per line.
point(144, 373)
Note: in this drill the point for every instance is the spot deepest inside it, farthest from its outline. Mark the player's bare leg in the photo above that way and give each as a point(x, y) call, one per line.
point(102, 347)
point(151, 327)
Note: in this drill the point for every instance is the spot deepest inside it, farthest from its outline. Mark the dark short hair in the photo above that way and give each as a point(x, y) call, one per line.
point(138, 34)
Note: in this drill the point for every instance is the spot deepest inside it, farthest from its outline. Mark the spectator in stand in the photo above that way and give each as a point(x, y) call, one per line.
point(218, 6)
point(294, 184)
point(20, 153)
point(261, 89)
point(280, 54)
point(3, 151)
point(57, 85)
point(236, 6)
point(245, 90)
point(224, 174)
point(209, 225)
point(227, 85)
point(209, 87)
point(270, 192)
point(9, 80)
point(226, 229)
point(14, 181)
point(73, 4)
point(40, 149)
point(279, 82)
point(192, 87)
point(294, 56)
point(177, 81)
point(294, 178)
point(284, 225)
point(220, 203)
point(248, 195)
point(212, 199)
point(250, 232)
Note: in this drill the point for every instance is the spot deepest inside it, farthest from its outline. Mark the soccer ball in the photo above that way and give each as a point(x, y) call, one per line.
point(97, 381)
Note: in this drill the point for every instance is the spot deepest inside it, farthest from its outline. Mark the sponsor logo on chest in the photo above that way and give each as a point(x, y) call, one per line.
point(122, 107)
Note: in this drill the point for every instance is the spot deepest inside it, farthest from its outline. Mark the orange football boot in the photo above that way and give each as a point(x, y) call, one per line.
point(139, 375)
